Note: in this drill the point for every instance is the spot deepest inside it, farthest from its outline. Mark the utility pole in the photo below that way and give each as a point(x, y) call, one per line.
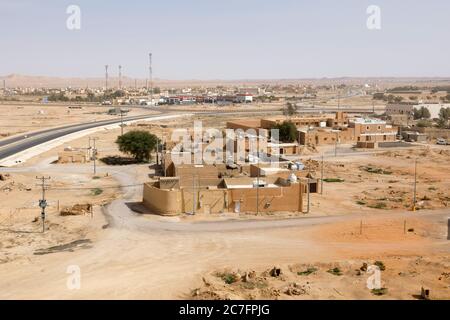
point(120, 77)
point(94, 152)
point(157, 150)
point(257, 181)
point(106, 78)
point(307, 184)
point(339, 99)
point(43, 201)
point(150, 71)
point(415, 185)
point(193, 194)
point(321, 177)
point(335, 144)
point(121, 122)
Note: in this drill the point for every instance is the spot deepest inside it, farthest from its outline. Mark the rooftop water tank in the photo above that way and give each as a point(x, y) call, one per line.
point(292, 178)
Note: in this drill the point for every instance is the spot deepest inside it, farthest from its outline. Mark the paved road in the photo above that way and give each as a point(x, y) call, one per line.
point(16, 144)
point(13, 145)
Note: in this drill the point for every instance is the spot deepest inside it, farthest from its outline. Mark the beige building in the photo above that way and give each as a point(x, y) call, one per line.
point(72, 156)
point(212, 189)
point(373, 130)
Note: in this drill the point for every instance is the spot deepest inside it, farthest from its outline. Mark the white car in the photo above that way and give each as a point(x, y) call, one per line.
point(441, 142)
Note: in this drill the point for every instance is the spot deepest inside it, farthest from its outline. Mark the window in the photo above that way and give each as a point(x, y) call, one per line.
point(367, 128)
point(379, 127)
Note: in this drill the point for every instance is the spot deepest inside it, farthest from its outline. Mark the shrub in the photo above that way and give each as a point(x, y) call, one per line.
point(307, 272)
point(335, 271)
point(333, 180)
point(96, 191)
point(229, 278)
point(380, 265)
point(378, 205)
point(379, 292)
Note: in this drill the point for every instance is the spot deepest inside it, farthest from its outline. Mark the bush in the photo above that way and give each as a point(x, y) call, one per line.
point(376, 170)
point(117, 161)
point(333, 180)
point(96, 191)
point(379, 292)
point(380, 265)
point(307, 272)
point(378, 205)
point(335, 271)
point(229, 278)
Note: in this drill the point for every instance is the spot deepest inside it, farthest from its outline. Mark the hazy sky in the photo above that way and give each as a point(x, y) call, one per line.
point(227, 39)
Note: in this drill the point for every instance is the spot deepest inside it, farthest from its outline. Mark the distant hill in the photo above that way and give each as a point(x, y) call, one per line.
point(18, 80)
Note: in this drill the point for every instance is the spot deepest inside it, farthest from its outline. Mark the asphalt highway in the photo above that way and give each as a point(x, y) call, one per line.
point(16, 144)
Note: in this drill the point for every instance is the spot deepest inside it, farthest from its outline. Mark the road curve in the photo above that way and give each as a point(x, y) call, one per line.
point(11, 146)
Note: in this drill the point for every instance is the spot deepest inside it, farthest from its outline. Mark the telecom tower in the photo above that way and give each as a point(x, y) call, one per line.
point(120, 77)
point(150, 74)
point(106, 77)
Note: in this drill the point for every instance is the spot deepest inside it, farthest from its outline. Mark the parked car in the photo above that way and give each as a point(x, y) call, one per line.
point(442, 142)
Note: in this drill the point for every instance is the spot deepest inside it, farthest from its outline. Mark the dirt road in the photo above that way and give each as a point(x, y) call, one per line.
point(148, 258)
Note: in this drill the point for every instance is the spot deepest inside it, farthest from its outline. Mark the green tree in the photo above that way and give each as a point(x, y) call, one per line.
point(424, 123)
point(287, 131)
point(290, 109)
point(157, 90)
point(398, 99)
point(422, 113)
point(444, 116)
point(379, 96)
point(138, 143)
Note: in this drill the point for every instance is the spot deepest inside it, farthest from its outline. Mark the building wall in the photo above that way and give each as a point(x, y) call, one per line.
point(435, 133)
point(399, 119)
point(324, 137)
point(72, 157)
point(285, 150)
point(200, 176)
point(399, 109)
point(270, 199)
point(367, 144)
point(163, 202)
point(174, 202)
point(244, 124)
point(374, 132)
